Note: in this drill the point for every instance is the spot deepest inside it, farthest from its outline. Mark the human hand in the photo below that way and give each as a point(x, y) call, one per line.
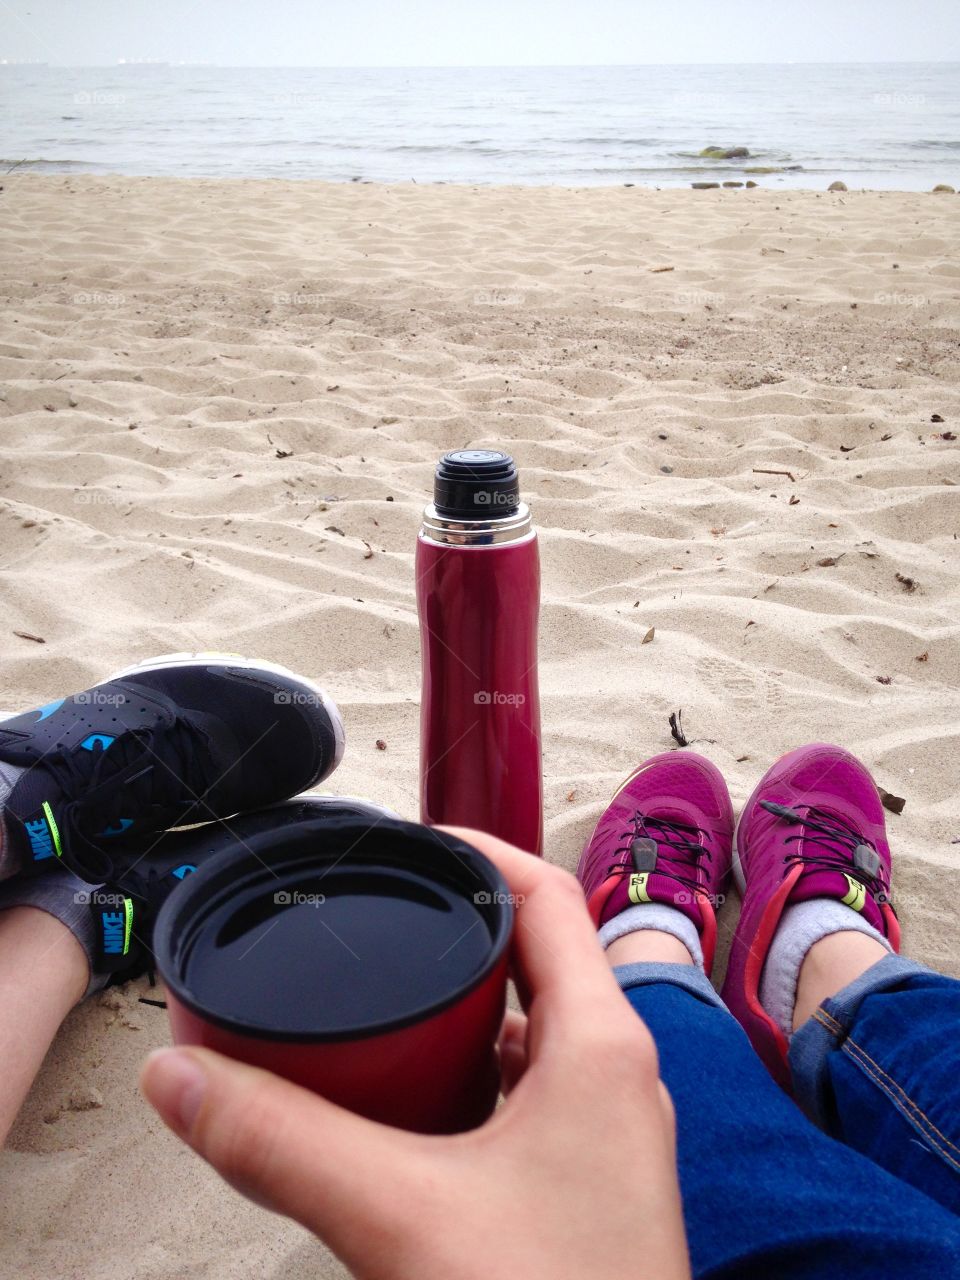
point(575, 1175)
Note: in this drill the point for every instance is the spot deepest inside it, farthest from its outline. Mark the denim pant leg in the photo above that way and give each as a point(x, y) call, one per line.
point(878, 1066)
point(765, 1193)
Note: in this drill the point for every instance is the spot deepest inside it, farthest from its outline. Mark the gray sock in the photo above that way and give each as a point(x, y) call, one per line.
point(9, 861)
point(800, 927)
point(654, 915)
point(65, 897)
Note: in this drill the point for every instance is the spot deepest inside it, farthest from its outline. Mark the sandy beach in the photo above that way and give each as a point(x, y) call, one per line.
point(736, 418)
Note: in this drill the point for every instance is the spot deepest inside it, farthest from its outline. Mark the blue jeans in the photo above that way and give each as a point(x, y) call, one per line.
point(872, 1188)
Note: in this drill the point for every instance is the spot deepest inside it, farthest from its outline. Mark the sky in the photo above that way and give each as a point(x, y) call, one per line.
point(477, 32)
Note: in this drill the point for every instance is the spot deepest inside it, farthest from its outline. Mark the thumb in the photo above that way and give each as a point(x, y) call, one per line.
point(290, 1150)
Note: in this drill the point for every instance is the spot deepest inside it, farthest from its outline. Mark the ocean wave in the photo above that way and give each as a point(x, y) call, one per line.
point(43, 162)
point(779, 157)
point(613, 138)
point(452, 149)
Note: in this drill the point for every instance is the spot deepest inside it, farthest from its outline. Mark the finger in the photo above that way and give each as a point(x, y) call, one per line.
point(513, 1051)
point(287, 1148)
point(559, 962)
point(521, 870)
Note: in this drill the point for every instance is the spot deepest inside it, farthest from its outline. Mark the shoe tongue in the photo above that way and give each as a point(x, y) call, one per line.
point(819, 882)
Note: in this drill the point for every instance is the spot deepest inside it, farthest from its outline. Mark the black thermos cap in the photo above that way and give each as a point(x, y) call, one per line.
point(476, 484)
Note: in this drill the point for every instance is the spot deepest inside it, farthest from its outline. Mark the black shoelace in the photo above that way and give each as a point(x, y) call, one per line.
point(152, 770)
point(680, 838)
point(847, 849)
point(143, 772)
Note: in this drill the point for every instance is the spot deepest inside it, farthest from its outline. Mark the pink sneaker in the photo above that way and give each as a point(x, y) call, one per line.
point(666, 836)
point(813, 828)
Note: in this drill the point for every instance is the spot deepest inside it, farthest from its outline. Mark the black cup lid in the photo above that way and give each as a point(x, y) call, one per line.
point(266, 864)
point(476, 484)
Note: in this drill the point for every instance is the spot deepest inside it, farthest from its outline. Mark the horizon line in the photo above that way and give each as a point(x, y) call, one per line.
point(464, 66)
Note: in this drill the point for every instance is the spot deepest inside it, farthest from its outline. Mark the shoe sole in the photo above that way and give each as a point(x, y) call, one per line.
point(739, 879)
point(366, 807)
point(220, 659)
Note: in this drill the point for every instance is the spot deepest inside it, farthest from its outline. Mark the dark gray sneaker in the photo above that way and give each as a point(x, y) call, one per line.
point(125, 908)
point(180, 739)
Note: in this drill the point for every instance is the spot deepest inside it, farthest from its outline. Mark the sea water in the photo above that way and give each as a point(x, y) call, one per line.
point(894, 126)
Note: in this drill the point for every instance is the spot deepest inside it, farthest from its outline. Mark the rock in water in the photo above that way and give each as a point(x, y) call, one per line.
point(733, 184)
point(837, 186)
point(705, 186)
point(751, 183)
point(943, 188)
point(724, 153)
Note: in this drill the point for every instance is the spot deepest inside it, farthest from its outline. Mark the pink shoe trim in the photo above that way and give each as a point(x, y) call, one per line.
point(893, 925)
point(600, 897)
point(759, 948)
point(708, 934)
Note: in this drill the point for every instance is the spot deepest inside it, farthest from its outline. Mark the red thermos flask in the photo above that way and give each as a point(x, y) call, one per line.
point(478, 598)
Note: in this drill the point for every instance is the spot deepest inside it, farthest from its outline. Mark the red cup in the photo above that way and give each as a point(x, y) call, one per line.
point(365, 962)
